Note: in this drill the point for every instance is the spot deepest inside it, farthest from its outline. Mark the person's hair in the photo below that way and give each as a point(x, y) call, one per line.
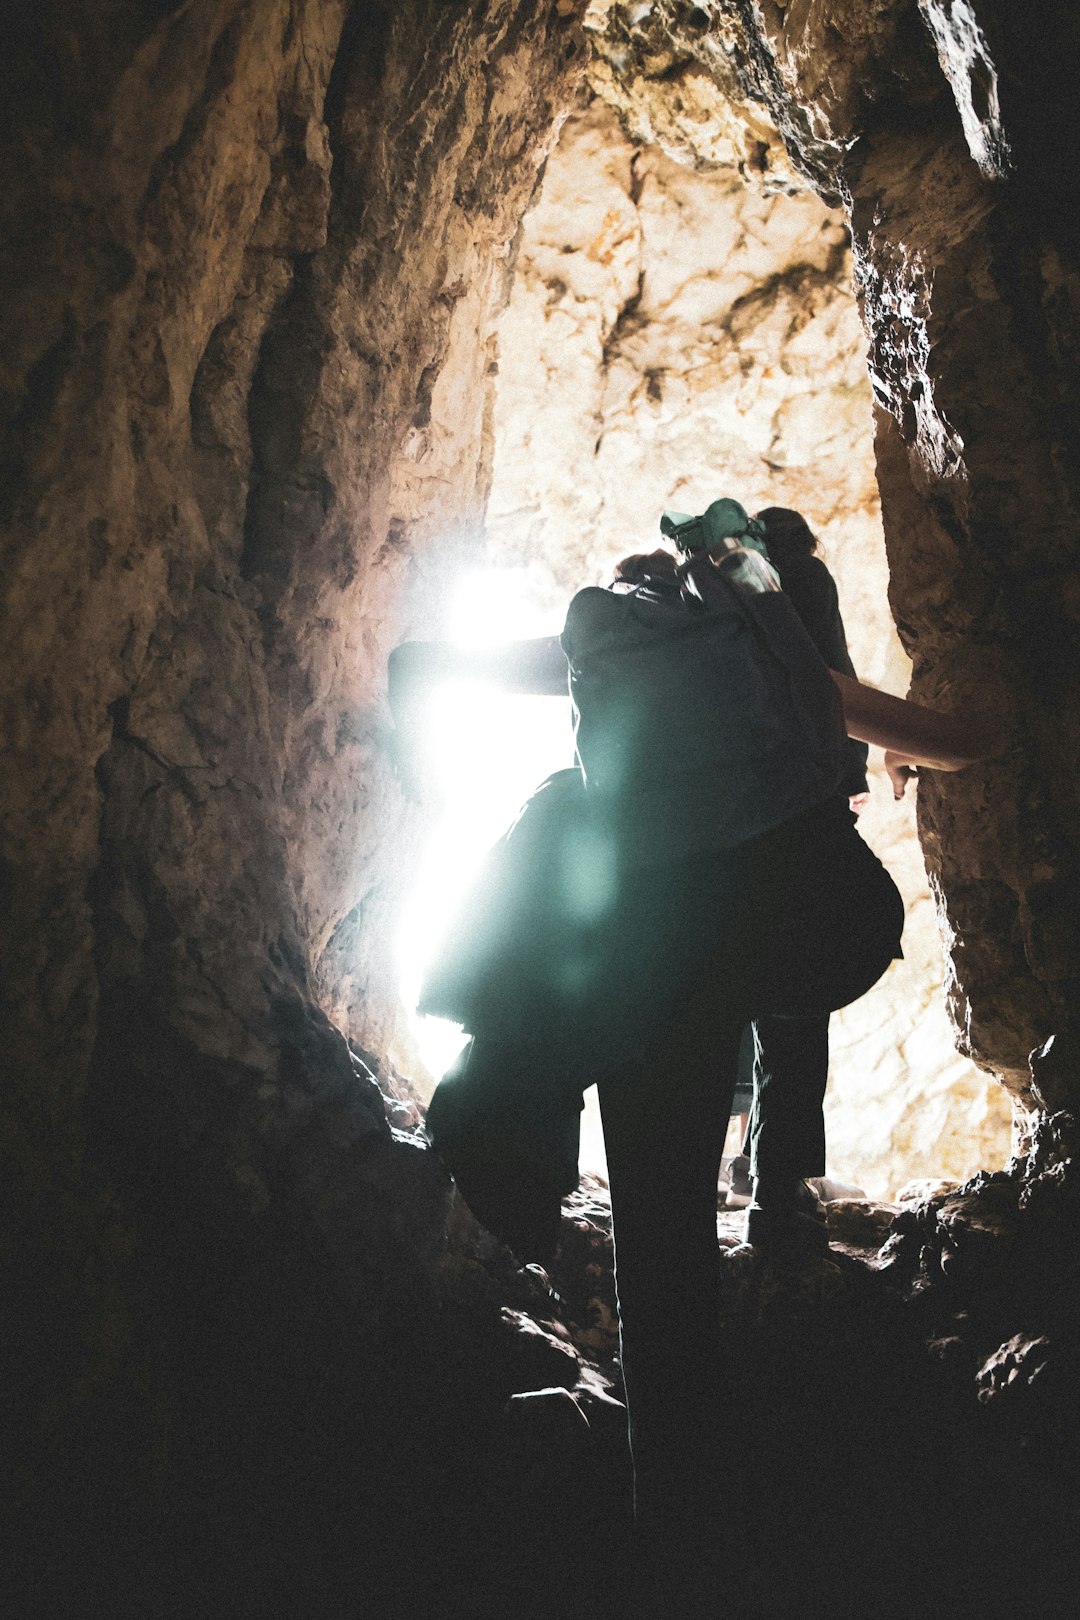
point(645, 565)
point(787, 534)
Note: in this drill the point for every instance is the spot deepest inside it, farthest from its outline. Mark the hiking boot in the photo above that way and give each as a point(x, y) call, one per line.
point(830, 1191)
point(740, 1187)
point(786, 1217)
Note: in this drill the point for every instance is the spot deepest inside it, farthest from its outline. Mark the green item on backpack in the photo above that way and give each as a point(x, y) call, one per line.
point(723, 520)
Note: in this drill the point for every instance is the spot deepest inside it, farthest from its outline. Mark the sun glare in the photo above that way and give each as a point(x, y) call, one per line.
point(485, 751)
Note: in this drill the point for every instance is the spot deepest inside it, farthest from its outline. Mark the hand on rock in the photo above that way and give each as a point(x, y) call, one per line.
point(900, 772)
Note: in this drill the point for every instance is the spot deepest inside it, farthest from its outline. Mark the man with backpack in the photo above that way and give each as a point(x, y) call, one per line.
point(726, 884)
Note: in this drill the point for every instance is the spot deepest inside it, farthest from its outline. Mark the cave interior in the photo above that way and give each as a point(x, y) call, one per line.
point(283, 284)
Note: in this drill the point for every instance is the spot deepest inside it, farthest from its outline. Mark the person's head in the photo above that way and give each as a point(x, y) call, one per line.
point(644, 567)
point(787, 533)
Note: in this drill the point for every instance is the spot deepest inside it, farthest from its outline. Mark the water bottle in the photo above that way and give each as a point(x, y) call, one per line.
point(744, 567)
point(723, 537)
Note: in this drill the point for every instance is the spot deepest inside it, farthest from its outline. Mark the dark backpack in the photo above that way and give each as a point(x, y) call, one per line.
point(702, 720)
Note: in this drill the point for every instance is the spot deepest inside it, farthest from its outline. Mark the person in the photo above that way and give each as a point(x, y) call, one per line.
point(786, 1060)
point(718, 911)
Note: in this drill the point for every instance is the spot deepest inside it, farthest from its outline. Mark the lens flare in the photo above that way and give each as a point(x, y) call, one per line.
point(485, 752)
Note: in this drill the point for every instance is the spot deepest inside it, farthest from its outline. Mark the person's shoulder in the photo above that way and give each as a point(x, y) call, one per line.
point(593, 604)
point(592, 611)
point(809, 565)
point(592, 598)
point(811, 574)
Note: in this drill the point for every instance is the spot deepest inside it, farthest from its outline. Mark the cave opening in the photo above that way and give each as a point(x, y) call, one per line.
point(483, 752)
point(673, 331)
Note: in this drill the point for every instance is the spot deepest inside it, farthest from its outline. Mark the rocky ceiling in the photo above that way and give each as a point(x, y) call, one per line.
point(253, 259)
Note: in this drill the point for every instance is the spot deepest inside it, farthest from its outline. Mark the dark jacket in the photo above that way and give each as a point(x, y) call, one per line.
point(812, 591)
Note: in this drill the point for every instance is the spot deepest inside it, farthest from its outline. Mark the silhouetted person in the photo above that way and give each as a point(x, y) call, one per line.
point(707, 906)
point(785, 1138)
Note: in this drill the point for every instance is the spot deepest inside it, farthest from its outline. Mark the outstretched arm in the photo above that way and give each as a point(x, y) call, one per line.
point(911, 735)
point(536, 666)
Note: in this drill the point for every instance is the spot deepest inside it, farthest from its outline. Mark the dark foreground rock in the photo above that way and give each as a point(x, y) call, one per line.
point(444, 1438)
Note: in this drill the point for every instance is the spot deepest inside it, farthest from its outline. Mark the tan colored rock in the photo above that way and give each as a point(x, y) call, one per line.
point(235, 412)
point(251, 259)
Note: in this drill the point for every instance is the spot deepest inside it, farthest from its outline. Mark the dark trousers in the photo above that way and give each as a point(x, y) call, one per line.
point(665, 1123)
point(813, 923)
point(664, 1129)
point(785, 1135)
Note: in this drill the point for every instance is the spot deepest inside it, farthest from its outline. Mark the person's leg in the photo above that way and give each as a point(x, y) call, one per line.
point(664, 1129)
point(787, 1136)
point(738, 1167)
point(787, 1131)
point(823, 926)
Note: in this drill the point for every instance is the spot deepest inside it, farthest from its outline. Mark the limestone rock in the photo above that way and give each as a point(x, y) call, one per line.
point(1021, 1358)
point(675, 84)
point(858, 1223)
point(797, 82)
point(952, 228)
point(541, 1357)
point(584, 1269)
point(252, 257)
point(1026, 1391)
point(1055, 1074)
point(921, 1191)
point(547, 1420)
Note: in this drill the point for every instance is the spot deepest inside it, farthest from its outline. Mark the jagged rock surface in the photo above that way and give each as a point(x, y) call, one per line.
point(252, 257)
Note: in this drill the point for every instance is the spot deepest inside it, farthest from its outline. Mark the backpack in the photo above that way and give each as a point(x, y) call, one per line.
point(701, 720)
point(500, 967)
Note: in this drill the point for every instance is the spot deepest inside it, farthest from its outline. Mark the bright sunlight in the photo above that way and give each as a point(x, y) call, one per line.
point(485, 752)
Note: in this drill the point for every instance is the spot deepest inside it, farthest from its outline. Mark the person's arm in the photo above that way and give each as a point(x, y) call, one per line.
point(537, 666)
point(910, 734)
point(811, 590)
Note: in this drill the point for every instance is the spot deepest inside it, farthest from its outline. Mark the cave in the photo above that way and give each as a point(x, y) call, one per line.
point(260, 268)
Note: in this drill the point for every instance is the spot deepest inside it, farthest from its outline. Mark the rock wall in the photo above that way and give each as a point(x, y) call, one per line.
point(264, 246)
point(252, 256)
point(229, 413)
point(674, 333)
point(933, 124)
